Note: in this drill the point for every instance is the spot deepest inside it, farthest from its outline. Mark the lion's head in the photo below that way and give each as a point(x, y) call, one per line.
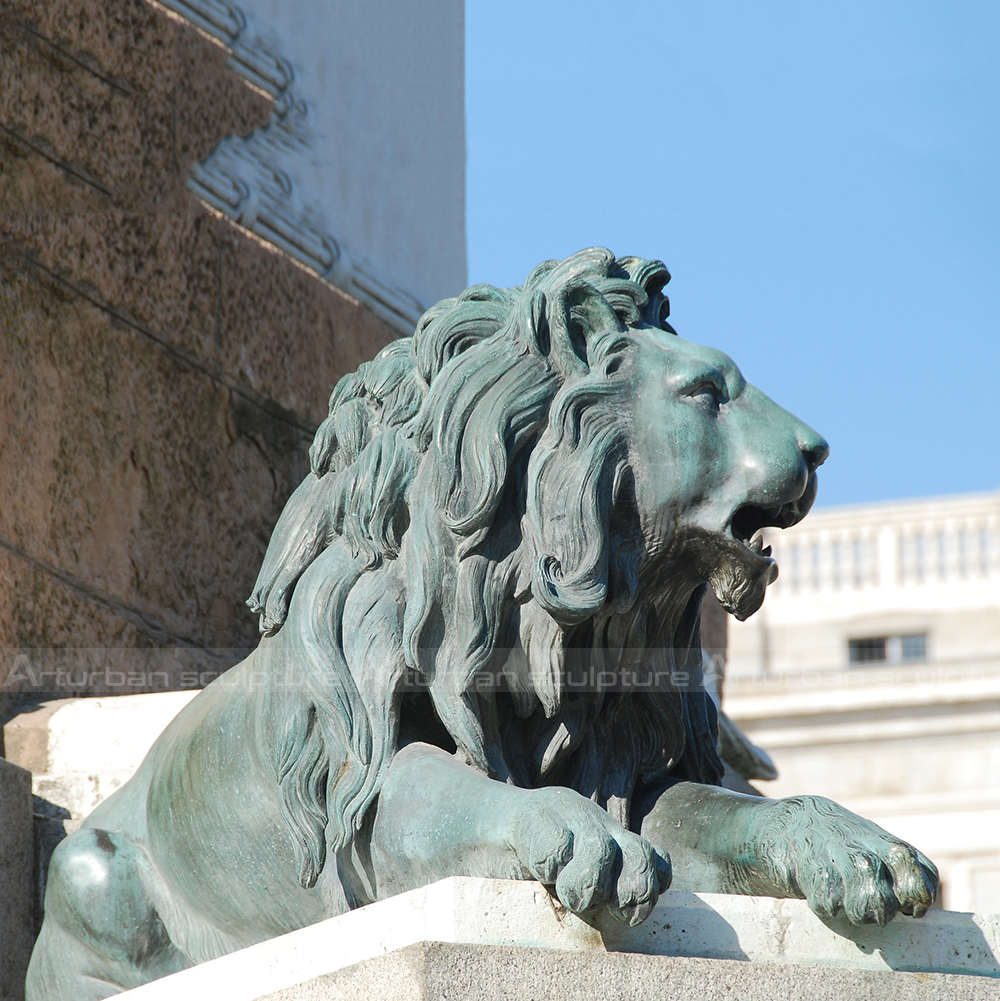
point(538, 474)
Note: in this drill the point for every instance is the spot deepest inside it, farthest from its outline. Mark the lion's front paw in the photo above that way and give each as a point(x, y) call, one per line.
point(572, 846)
point(841, 862)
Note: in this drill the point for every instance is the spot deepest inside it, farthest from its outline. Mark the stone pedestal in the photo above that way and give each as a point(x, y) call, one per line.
point(431, 971)
point(468, 939)
point(80, 751)
point(15, 879)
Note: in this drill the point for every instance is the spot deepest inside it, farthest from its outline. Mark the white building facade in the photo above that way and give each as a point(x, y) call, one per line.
point(872, 676)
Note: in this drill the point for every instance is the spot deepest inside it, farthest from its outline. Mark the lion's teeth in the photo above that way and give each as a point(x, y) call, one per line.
point(757, 542)
point(766, 551)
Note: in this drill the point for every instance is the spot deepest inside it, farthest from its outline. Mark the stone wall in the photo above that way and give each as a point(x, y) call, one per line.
point(161, 370)
point(15, 879)
point(369, 136)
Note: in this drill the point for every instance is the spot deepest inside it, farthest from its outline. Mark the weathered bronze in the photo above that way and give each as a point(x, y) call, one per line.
point(481, 653)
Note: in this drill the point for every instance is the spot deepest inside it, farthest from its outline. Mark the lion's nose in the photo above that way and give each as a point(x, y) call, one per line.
point(814, 448)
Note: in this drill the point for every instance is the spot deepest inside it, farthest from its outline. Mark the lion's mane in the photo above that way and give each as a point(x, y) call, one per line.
point(470, 509)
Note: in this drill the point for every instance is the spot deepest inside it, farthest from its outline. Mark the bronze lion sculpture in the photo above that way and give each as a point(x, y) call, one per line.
point(538, 486)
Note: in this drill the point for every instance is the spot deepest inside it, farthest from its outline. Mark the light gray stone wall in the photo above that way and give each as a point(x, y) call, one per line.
point(360, 172)
point(384, 84)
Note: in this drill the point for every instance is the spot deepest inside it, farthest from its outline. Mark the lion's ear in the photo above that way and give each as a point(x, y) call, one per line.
point(578, 315)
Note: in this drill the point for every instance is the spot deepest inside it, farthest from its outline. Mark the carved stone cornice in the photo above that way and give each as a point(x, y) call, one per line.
point(250, 180)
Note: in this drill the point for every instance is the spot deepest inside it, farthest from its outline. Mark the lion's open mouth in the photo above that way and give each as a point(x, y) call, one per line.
point(745, 567)
point(749, 520)
point(747, 528)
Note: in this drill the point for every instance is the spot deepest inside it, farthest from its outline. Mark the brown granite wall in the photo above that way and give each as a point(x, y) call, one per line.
point(161, 372)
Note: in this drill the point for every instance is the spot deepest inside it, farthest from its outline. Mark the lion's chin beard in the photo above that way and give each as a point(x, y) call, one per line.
point(736, 573)
point(740, 578)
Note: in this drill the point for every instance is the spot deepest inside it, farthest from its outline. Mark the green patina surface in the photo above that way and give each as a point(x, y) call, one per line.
point(481, 653)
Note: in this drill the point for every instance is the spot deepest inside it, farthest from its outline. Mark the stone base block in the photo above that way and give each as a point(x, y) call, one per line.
point(15, 879)
point(467, 938)
point(431, 971)
point(80, 751)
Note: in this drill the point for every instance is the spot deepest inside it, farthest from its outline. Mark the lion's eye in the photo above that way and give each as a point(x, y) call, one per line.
point(708, 395)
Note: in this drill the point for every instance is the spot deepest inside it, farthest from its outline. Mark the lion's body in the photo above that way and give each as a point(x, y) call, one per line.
point(541, 482)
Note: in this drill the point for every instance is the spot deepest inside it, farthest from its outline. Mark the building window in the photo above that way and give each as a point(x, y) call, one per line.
point(913, 647)
point(887, 649)
point(867, 650)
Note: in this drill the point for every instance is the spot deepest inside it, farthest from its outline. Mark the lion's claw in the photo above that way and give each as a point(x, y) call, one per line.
point(916, 879)
point(842, 863)
point(585, 857)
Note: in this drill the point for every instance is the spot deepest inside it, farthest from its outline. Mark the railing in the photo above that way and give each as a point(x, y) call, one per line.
point(901, 553)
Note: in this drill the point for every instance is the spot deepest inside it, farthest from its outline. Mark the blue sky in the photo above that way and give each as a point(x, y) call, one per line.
point(822, 179)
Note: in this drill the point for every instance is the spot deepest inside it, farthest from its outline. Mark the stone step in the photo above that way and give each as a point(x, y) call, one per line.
point(500, 938)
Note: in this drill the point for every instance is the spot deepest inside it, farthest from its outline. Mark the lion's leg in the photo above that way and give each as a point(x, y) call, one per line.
point(805, 846)
point(101, 933)
point(436, 817)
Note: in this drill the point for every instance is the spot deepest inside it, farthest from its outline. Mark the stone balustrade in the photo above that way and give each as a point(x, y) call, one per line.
point(909, 545)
